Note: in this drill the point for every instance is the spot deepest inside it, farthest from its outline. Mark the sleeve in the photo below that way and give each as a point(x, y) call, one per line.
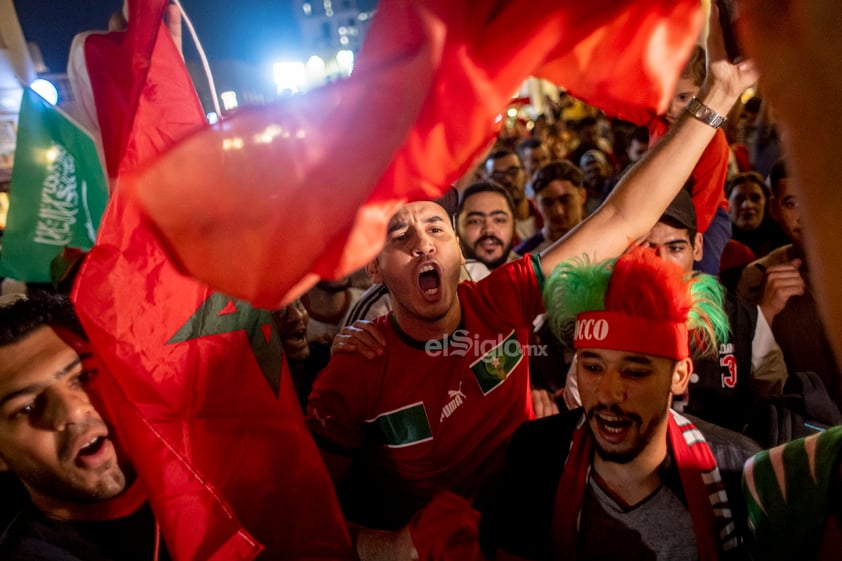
point(518, 522)
point(748, 287)
point(708, 180)
point(336, 410)
point(768, 369)
point(514, 290)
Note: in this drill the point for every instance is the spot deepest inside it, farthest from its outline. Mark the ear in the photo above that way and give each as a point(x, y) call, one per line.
point(681, 376)
point(372, 269)
point(699, 247)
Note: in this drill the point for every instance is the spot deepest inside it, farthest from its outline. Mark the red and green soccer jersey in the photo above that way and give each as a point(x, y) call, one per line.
point(429, 416)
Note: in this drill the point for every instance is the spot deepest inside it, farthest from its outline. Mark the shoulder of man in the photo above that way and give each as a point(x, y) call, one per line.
point(730, 449)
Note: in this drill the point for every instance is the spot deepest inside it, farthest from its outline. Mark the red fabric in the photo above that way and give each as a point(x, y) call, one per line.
point(619, 331)
point(209, 419)
point(447, 529)
point(331, 166)
point(468, 421)
point(735, 255)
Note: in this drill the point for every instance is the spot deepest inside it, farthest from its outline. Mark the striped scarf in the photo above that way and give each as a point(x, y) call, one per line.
point(791, 494)
point(706, 499)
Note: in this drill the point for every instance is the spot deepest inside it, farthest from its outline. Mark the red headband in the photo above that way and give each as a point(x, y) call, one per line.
point(621, 332)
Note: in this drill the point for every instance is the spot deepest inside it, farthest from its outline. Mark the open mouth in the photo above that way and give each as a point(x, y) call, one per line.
point(612, 424)
point(429, 280)
point(92, 447)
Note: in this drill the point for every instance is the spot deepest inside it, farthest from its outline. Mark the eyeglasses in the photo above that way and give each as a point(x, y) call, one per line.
point(510, 172)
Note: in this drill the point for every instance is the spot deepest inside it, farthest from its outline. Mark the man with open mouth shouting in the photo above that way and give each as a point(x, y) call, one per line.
point(82, 502)
point(433, 410)
point(626, 477)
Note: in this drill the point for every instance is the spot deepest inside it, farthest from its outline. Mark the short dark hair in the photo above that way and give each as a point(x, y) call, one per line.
point(28, 313)
point(776, 174)
point(497, 154)
point(484, 187)
point(558, 170)
point(529, 142)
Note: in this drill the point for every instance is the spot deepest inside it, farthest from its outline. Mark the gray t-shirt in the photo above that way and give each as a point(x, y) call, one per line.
point(657, 528)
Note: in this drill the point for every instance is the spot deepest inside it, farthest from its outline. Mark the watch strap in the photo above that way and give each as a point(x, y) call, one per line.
point(705, 114)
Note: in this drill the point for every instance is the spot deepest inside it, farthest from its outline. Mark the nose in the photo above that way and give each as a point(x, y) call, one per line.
point(423, 245)
point(64, 407)
point(610, 388)
point(296, 311)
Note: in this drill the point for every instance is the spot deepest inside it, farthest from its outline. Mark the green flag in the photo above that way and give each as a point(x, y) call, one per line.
point(58, 191)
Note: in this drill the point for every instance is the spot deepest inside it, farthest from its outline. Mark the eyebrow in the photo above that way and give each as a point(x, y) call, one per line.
point(637, 359)
point(35, 388)
point(484, 214)
point(395, 226)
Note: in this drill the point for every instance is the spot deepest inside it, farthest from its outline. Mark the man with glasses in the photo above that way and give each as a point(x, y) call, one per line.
point(505, 167)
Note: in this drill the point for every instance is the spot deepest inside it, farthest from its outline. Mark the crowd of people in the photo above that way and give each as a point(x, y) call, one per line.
point(585, 349)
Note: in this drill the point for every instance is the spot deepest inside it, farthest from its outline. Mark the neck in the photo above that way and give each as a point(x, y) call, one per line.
point(124, 504)
point(522, 208)
point(634, 481)
point(424, 329)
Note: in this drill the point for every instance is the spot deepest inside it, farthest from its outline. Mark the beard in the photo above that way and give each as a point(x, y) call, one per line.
point(471, 253)
point(645, 433)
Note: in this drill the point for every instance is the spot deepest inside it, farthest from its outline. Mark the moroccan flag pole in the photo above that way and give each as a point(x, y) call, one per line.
point(195, 383)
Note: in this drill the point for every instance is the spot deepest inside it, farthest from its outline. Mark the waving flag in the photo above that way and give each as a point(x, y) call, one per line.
point(329, 167)
point(58, 191)
point(199, 394)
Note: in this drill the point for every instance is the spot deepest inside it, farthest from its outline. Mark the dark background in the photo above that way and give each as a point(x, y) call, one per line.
point(254, 31)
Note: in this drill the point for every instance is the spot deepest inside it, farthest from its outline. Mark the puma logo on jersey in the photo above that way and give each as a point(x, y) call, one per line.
point(456, 399)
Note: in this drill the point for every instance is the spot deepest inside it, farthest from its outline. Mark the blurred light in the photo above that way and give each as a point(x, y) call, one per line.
point(329, 13)
point(342, 30)
point(363, 16)
point(45, 89)
point(343, 40)
point(235, 143)
point(212, 117)
point(316, 65)
point(51, 154)
point(301, 133)
point(229, 100)
point(511, 112)
point(268, 134)
point(289, 76)
point(345, 58)
point(307, 8)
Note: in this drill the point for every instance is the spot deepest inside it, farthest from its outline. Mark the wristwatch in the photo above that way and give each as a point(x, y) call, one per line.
point(705, 114)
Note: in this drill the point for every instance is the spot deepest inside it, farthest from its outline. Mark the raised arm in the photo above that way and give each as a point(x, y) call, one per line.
point(641, 197)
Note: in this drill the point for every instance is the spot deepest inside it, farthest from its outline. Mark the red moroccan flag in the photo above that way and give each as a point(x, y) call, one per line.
point(418, 110)
point(200, 397)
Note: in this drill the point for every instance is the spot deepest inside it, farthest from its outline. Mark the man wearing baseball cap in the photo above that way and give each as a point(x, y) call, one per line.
point(624, 477)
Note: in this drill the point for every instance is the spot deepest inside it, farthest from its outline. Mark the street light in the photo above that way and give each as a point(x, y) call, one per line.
point(45, 89)
point(345, 59)
point(289, 76)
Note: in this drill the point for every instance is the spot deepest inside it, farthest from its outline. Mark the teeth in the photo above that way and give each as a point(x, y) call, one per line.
point(431, 291)
point(427, 268)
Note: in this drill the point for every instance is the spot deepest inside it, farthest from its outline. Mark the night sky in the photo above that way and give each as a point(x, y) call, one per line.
point(255, 31)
